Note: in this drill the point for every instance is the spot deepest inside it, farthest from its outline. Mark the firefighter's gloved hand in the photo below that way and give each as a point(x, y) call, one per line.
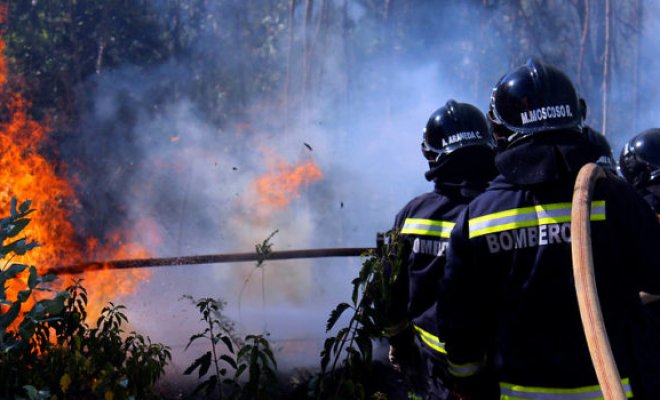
point(404, 355)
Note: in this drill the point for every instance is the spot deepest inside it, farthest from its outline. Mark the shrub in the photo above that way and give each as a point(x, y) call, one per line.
point(50, 351)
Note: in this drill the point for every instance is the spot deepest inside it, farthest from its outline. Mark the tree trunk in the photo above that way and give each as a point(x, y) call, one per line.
point(638, 49)
point(606, 63)
point(319, 40)
point(103, 33)
point(583, 39)
point(307, 61)
point(289, 61)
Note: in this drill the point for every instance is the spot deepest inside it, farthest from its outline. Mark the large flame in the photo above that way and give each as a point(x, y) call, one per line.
point(282, 182)
point(27, 175)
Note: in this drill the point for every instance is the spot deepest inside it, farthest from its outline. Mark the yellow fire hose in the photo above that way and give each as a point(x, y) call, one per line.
point(585, 285)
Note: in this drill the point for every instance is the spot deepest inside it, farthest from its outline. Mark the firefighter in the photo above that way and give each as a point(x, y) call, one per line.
point(458, 147)
point(640, 165)
point(507, 298)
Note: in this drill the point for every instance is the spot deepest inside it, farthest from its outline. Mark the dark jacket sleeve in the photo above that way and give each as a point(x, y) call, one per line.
point(465, 301)
point(638, 229)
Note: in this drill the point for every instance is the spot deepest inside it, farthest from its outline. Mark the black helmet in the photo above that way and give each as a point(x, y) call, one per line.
point(451, 127)
point(640, 158)
point(605, 155)
point(534, 97)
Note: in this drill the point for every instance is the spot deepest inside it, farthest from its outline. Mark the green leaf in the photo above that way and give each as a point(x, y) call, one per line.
point(55, 306)
point(227, 341)
point(33, 279)
point(26, 329)
point(335, 314)
point(212, 383)
point(241, 368)
point(12, 208)
point(25, 206)
point(356, 291)
point(198, 363)
point(327, 352)
point(31, 392)
point(23, 295)
point(205, 364)
point(193, 338)
point(229, 361)
point(13, 270)
point(365, 346)
point(270, 355)
point(17, 227)
point(47, 278)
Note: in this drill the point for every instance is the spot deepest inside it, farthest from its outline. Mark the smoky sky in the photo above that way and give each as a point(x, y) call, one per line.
point(144, 149)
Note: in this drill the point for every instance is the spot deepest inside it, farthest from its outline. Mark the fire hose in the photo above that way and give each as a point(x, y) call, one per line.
point(585, 284)
point(208, 259)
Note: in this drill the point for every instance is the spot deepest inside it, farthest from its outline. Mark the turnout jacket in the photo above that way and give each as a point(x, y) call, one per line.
point(508, 296)
point(654, 202)
point(424, 225)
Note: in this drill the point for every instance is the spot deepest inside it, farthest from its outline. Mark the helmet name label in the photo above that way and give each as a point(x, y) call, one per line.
point(543, 113)
point(461, 136)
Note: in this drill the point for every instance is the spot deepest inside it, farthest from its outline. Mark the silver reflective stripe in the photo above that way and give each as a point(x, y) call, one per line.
point(529, 216)
point(463, 370)
point(428, 227)
point(510, 392)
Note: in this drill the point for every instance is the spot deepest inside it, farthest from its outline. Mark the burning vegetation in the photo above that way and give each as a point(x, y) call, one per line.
point(282, 182)
point(29, 170)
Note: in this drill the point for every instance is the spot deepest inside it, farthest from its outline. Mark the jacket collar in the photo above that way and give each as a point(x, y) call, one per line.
point(545, 158)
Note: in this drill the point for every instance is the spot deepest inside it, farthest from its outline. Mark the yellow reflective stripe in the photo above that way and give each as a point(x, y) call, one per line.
point(428, 227)
point(431, 340)
point(463, 370)
point(523, 210)
point(510, 391)
point(393, 330)
point(529, 216)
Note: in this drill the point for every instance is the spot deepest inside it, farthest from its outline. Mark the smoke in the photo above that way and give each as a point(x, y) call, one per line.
point(146, 152)
point(648, 86)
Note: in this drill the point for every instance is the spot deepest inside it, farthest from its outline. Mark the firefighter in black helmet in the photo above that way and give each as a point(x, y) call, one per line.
point(508, 297)
point(459, 150)
point(639, 163)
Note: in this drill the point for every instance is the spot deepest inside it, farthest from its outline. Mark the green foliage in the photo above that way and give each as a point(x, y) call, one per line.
point(53, 353)
point(218, 329)
point(231, 358)
point(99, 361)
point(55, 46)
point(264, 249)
point(257, 357)
point(347, 357)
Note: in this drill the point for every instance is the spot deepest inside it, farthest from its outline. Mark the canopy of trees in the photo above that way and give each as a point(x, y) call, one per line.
point(293, 51)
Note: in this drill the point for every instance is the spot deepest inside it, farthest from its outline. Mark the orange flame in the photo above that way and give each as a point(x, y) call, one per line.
point(27, 175)
point(281, 184)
